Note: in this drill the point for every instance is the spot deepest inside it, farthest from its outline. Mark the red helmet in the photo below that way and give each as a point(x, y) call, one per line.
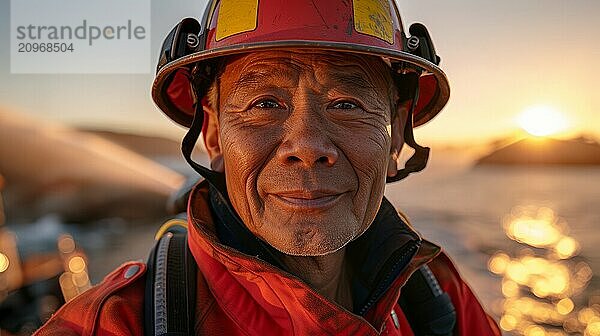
point(230, 27)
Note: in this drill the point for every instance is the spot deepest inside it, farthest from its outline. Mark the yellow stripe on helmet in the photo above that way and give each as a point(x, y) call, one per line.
point(373, 17)
point(236, 16)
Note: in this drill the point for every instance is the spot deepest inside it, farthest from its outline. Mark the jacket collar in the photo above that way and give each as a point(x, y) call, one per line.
point(381, 259)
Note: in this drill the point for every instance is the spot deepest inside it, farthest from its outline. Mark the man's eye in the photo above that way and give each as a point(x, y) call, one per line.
point(267, 104)
point(345, 105)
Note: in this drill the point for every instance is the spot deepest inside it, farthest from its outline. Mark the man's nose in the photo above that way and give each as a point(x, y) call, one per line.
point(307, 143)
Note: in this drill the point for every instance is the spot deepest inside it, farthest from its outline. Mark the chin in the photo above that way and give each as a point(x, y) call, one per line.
point(311, 251)
point(311, 242)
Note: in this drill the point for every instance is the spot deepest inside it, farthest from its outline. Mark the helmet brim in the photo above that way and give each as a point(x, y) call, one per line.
point(428, 106)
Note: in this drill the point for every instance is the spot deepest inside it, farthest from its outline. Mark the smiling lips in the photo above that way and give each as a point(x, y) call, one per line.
point(307, 200)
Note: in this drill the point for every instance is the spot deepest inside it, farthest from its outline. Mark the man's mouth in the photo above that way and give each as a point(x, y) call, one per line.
point(307, 200)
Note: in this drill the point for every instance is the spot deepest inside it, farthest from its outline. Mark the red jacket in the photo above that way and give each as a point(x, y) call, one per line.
point(238, 294)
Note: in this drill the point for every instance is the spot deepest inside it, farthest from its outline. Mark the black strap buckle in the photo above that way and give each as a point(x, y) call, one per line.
point(421, 44)
point(183, 40)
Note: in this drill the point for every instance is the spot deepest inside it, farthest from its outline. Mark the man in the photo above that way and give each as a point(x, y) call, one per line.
point(303, 108)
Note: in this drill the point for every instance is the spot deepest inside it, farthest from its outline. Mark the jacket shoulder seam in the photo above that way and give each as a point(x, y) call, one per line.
point(113, 282)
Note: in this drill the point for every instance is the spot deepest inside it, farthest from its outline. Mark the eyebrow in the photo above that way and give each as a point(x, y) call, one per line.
point(252, 78)
point(345, 78)
point(342, 80)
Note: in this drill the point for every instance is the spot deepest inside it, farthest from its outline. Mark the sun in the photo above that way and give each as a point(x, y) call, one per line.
point(542, 120)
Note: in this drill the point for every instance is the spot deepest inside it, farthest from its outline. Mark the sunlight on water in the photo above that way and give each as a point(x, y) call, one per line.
point(543, 279)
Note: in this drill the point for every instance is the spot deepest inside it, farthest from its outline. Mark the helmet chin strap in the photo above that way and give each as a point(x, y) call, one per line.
point(418, 161)
point(216, 179)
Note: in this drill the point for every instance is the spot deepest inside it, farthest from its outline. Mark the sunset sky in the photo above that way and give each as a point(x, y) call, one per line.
point(502, 58)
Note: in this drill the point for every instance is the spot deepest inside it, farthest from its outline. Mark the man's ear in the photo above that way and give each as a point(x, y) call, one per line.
point(212, 137)
point(398, 121)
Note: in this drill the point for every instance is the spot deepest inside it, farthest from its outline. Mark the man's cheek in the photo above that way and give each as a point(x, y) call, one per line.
point(245, 156)
point(369, 166)
point(242, 151)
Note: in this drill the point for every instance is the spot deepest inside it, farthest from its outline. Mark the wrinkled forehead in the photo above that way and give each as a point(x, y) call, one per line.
point(337, 66)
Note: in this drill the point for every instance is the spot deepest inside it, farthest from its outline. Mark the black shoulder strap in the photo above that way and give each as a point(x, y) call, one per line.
point(169, 301)
point(428, 309)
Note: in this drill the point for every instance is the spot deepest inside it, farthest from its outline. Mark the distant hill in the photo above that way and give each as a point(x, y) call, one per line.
point(149, 146)
point(545, 151)
point(80, 176)
point(162, 150)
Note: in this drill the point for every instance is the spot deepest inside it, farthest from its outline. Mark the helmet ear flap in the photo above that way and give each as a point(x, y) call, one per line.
point(184, 87)
point(183, 39)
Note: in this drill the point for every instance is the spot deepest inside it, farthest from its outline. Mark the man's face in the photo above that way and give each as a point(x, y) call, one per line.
point(305, 140)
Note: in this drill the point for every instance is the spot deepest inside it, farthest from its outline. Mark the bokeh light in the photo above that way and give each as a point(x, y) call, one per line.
point(565, 306)
point(593, 329)
point(498, 263)
point(566, 247)
point(4, 262)
point(537, 232)
point(77, 264)
point(66, 244)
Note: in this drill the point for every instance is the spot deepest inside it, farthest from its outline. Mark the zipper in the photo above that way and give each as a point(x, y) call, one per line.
point(407, 254)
